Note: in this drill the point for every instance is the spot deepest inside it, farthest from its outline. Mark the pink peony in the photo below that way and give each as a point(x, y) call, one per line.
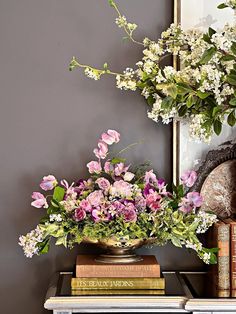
point(121, 188)
point(85, 205)
point(80, 214)
point(94, 167)
point(129, 213)
point(95, 198)
point(101, 151)
point(188, 178)
point(40, 200)
point(48, 183)
point(103, 183)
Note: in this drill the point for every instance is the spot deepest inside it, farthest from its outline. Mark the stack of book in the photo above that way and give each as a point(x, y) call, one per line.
point(94, 278)
point(223, 275)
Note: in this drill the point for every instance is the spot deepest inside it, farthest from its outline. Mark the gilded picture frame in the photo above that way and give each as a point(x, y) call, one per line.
point(200, 14)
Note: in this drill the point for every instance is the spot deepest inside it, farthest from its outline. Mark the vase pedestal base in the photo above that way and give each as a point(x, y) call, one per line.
point(118, 259)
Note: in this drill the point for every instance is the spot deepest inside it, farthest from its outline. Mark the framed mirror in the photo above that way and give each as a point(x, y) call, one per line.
point(199, 14)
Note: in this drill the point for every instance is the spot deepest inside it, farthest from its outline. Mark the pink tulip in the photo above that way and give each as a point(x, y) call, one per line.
point(94, 167)
point(48, 183)
point(40, 200)
point(101, 151)
point(188, 178)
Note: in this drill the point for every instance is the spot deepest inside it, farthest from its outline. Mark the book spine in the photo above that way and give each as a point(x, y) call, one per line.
point(223, 239)
point(233, 257)
point(120, 271)
point(115, 283)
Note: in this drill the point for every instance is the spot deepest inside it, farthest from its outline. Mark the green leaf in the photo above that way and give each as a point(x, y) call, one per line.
point(182, 111)
point(211, 31)
point(117, 160)
point(167, 103)
point(43, 246)
point(202, 95)
point(190, 101)
point(208, 54)
point(231, 119)
point(53, 210)
point(231, 78)
point(228, 58)
point(176, 241)
point(150, 100)
point(222, 6)
point(233, 102)
point(62, 241)
point(183, 88)
point(217, 127)
point(233, 48)
point(207, 38)
point(105, 66)
point(112, 3)
point(58, 193)
point(215, 111)
point(171, 90)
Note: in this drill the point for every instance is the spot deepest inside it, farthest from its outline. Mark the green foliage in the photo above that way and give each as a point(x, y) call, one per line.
point(58, 194)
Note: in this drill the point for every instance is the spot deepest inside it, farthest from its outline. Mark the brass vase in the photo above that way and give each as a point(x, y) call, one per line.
point(120, 250)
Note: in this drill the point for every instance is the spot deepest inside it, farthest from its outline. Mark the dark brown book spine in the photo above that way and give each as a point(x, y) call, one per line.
point(223, 271)
point(233, 257)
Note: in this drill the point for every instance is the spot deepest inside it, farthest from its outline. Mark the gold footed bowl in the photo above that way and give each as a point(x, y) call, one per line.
point(119, 250)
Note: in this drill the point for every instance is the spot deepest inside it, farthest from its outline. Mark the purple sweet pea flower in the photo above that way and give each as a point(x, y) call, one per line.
point(94, 167)
point(191, 201)
point(111, 137)
point(80, 214)
point(120, 168)
point(161, 184)
point(150, 177)
point(101, 151)
point(40, 200)
point(101, 214)
point(188, 178)
point(48, 183)
point(147, 189)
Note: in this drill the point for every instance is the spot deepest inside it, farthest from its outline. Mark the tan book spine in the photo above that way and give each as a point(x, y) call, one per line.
point(223, 240)
point(233, 256)
point(87, 267)
point(79, 292)
point(118, 283)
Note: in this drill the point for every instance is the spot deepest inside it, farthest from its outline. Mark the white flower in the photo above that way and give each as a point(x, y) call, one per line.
point(92, 73)
point(55, 217)
point(30, 240)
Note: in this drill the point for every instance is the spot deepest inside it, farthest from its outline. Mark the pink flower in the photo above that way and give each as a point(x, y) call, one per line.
point(101, 151)
point(94, 167)
point(80, 214)
point(195, 198)
point(70, 190)
point(108, 167)
point(95, 198)
point(153, 200)
point(40, 200)
point(129, 213)
point(103, 183)
point(150, 177)
point(85, 205)
point(128, 176)
point(140, 203)
point(101, 214)
point(121, 188)
point(116, 207)
point(120, 168)
point(191, 201)
point(189, 177)
point(111, 137)
point(48, 183)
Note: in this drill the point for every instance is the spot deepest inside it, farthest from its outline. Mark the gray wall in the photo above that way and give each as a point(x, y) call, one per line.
point(50, 121)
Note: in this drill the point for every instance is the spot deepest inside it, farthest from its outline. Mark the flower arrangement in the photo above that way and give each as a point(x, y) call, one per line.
point(120, 202)
point(202, 92)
